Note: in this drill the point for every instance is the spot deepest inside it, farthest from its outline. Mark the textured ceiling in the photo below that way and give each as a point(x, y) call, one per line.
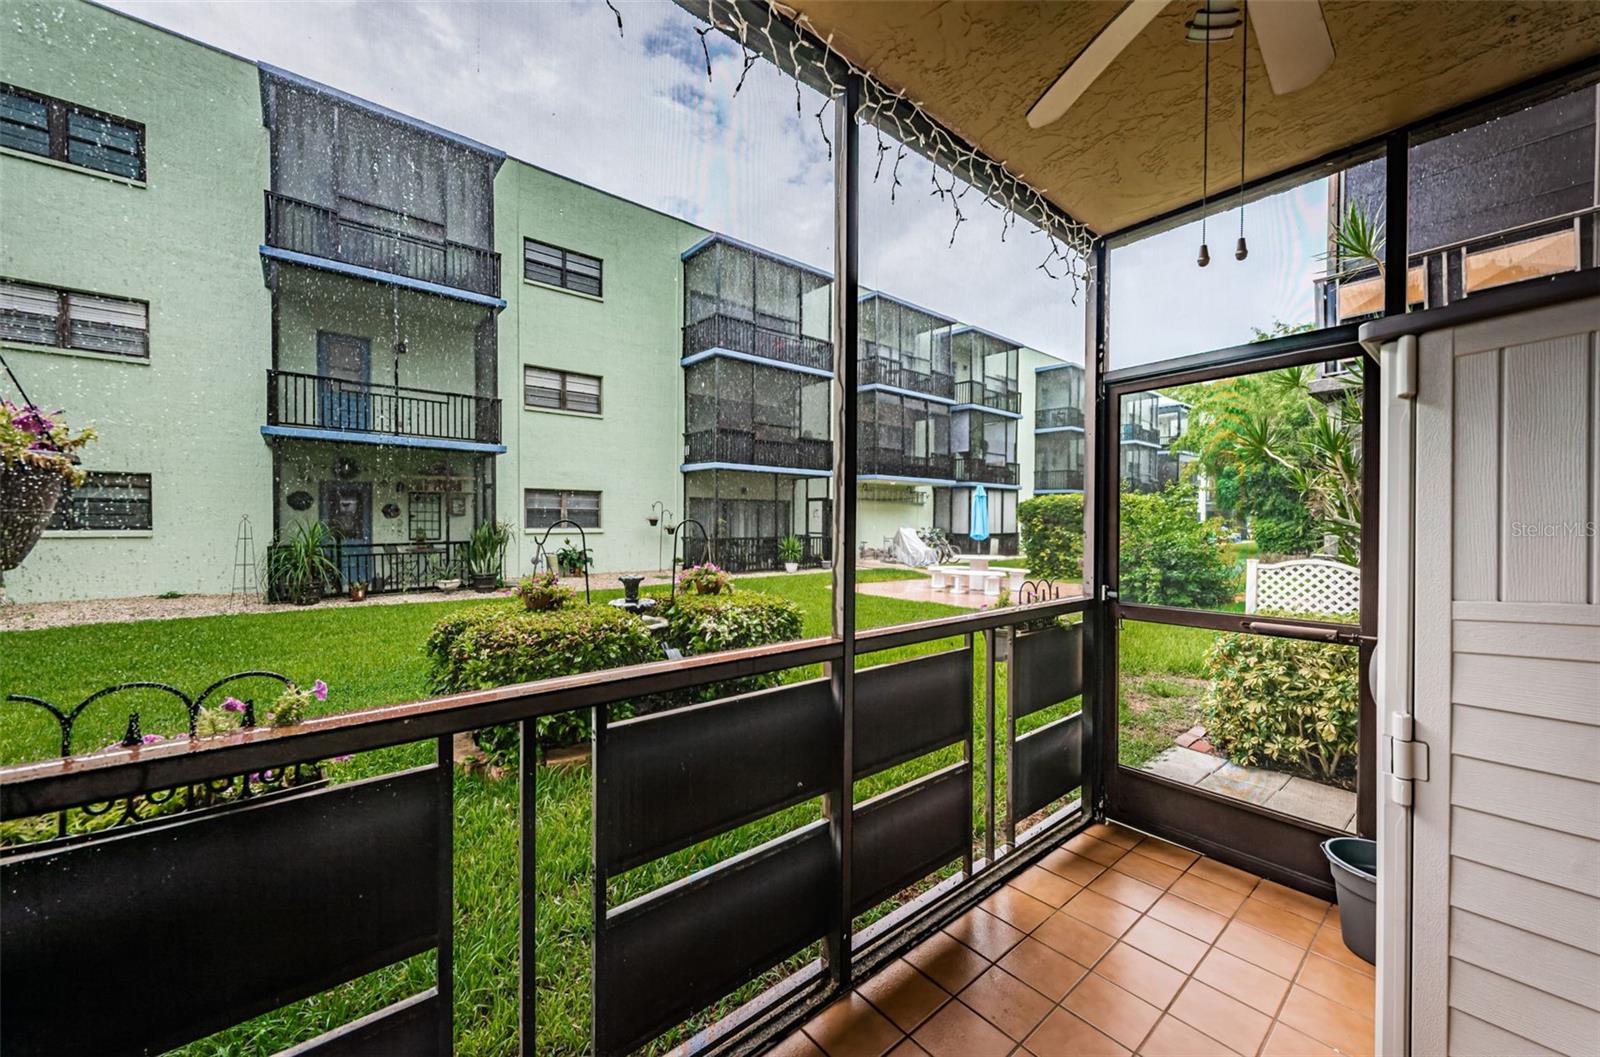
point(1130, 148)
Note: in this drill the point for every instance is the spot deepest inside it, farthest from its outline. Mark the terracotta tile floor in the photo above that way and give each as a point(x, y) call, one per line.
point(1116, 944)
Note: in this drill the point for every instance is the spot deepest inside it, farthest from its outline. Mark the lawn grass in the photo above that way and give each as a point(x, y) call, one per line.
point(372, 655)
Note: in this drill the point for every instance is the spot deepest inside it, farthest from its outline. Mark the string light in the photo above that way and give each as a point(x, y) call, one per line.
point(807, 50)
point(1242, 249)
point(1205, 140)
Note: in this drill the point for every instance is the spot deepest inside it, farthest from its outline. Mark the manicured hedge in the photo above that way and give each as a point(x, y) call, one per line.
point(496, 646)
point(1171, 558)
point(1052, 536)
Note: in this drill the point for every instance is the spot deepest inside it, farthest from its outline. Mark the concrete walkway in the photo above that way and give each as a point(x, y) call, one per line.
point(1326, 805)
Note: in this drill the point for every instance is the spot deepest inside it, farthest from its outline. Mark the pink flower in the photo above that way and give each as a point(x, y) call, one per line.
point(319, 690)
point(346, 758)
point(233, 704)
point(151, 739)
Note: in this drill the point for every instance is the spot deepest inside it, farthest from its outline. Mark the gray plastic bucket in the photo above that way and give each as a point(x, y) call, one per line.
point(1354, 864)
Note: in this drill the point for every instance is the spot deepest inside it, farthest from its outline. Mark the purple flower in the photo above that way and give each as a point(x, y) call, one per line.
point(319, 690)
point(233, 704)
point(151, 739)
point(346, 758)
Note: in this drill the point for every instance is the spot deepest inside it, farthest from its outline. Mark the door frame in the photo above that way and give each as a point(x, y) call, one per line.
point(1251, 837)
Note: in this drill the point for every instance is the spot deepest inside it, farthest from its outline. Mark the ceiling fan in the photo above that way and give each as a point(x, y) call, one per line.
point(1292, 36)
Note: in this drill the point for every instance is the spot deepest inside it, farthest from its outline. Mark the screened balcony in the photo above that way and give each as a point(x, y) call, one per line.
point(1140, 414)
point(986, 370)
point(1058, 462)
point(1059, 397)
point(903, 437)
point(905, 347)
point(742, 414)
point(740, 299)
point(985, 447)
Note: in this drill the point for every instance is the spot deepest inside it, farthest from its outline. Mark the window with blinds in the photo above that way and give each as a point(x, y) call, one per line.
point(543, 507)
point(54, 128)
point(543, 387)
point(71, 319)
point(544, 263)
point(108, 502)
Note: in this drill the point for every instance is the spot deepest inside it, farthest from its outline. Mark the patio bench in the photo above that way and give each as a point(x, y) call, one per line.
point(985, 580)
point(943, 575)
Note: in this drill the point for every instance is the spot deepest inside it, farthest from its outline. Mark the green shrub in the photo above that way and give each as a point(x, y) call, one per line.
point(1052, 536)
point(1285, 703)
point(1291, 535)
point(495, 646)
point(1171, 558)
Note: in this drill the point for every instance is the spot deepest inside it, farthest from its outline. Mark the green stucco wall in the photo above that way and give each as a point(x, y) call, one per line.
point(186, 243)
point(631, 452)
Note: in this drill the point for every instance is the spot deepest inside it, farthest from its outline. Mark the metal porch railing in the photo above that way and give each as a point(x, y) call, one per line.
point(211, 916)
point(322, 402)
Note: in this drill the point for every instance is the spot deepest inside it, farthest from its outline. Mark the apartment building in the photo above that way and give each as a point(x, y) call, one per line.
point(280, 304)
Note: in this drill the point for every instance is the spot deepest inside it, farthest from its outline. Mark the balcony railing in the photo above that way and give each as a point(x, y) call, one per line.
point(743, 554)
point(387, 568)
point(875, 369)
point(304, 227)
point(1135, 432)
point(1057, 417)
point(321, 402)
point(726, 445)
point(975, 392)
point(1056, 480)
point(1141, 482)
point(981, 470)
point(347, 878)
point(742, 335)
point(900, 464)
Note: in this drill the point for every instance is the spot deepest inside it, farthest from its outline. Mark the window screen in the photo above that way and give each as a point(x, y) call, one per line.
point(43, 315)
point(66, 132)
point(564, 390)
point(545, 506)
point(544, 263)
point(106, 502)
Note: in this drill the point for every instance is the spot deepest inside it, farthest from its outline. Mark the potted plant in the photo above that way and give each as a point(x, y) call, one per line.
point(543, 591)
point(573, 560)
point(299, 569)
point(443, 574)
point(358, 590)
point(486, 552)
point(707, 579)
point(38, 458)
point(790, 551)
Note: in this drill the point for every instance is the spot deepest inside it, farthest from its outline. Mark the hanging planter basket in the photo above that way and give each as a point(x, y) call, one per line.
point(28, 495)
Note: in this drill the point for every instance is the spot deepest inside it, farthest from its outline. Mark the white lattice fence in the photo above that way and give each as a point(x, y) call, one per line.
point(1305, 585)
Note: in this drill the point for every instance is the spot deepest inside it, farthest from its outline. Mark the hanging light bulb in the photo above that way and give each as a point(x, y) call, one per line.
point(1241, 249)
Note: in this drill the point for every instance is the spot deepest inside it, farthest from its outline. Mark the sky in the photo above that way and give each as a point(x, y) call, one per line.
point(554, 83)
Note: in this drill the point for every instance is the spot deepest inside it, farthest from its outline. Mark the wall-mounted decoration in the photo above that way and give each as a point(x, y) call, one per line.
point(458, 506)
point(345, 467)
point(301, 500)
point(391, 510)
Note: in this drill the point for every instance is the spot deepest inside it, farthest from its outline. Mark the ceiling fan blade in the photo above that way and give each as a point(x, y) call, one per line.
point(1294, 42)
point(1092, 61)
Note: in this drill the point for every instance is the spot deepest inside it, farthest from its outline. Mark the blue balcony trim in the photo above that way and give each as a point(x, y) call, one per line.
point(1140, 443)
point(329, 265)
point(991, 487)
point(903, 303)
point(938, 482)
point(388, 439)
point(788, 471)
point(706, 354)
point(1056, 367)
point(1058, 429)
point(393, 115)
point(1058, 491)
point(757, 250)
point(881, 387)
point(986, 409)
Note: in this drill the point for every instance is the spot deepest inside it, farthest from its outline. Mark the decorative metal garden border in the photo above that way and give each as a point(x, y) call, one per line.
point(205, 794)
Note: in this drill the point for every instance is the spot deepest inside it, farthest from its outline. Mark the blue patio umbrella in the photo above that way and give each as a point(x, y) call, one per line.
point(980, 515)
